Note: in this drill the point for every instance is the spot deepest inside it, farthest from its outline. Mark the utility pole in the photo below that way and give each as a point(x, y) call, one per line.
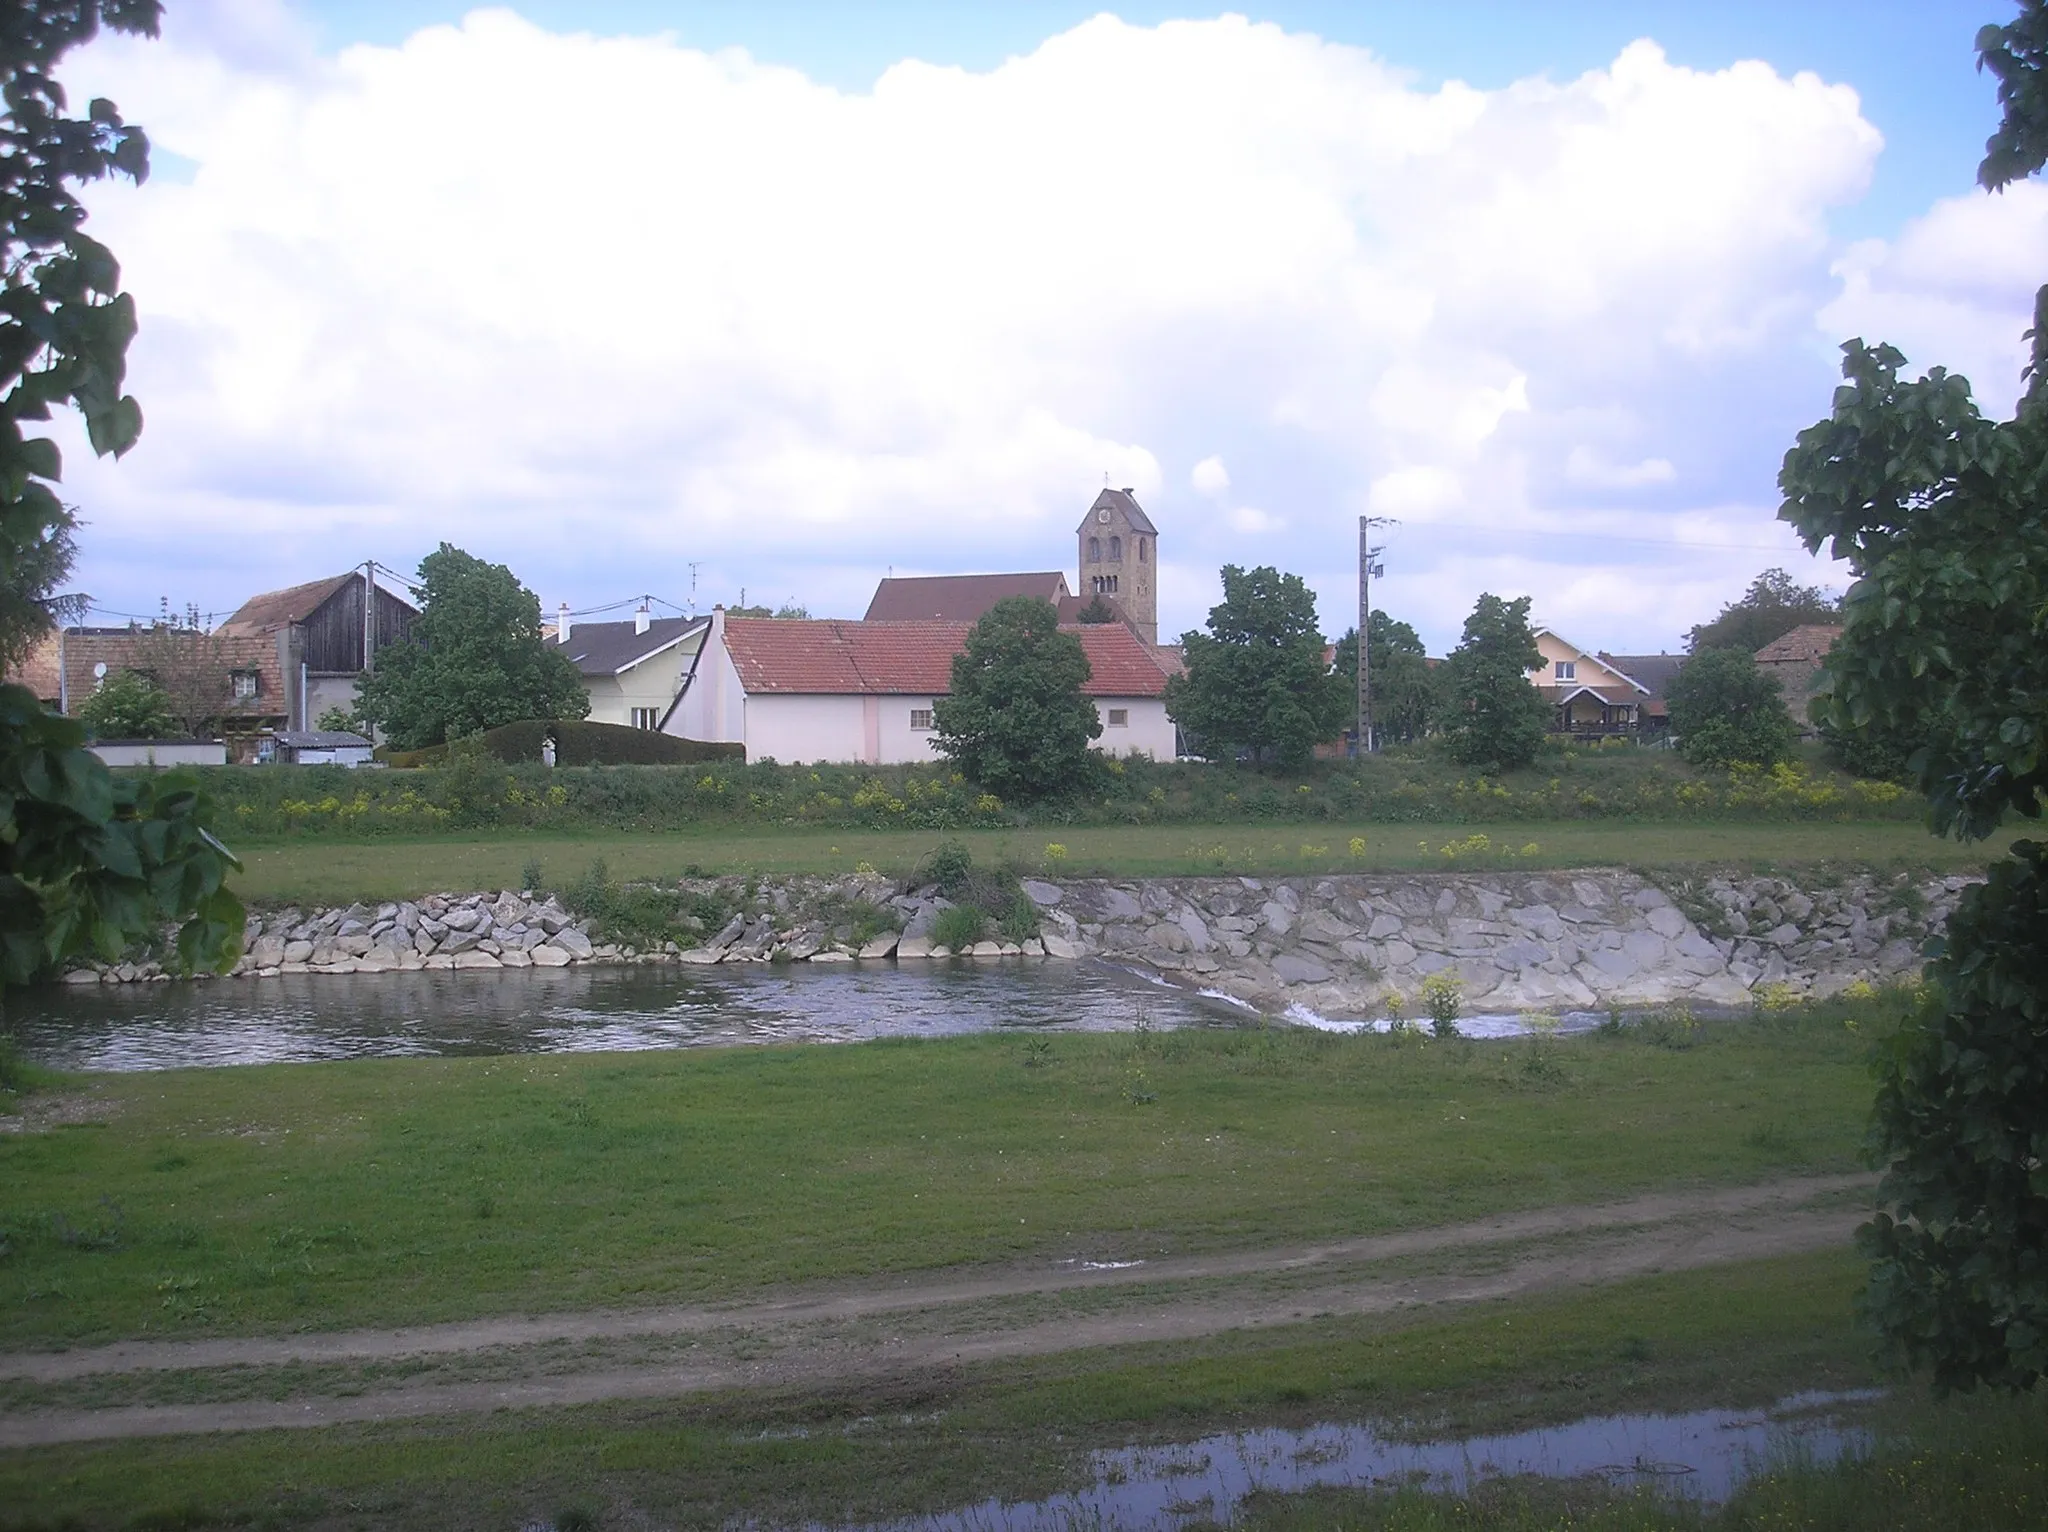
point(369, 615)
point(1366, 570)
point(695, 565)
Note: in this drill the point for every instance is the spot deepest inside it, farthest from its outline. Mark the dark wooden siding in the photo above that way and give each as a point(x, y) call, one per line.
point(334, 629)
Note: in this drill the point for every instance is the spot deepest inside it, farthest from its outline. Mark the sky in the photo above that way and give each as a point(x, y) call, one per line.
point(711, 300)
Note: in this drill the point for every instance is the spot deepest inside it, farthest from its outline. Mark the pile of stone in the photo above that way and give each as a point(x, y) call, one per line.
point(790, 929)
point(443, 931)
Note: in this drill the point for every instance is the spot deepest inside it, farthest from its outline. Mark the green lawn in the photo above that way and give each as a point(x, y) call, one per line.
point(333, 872)
point(393, 1191)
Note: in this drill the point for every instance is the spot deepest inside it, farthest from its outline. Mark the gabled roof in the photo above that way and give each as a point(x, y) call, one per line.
point(1652, 672)
point(957, 598)
point(1807, 645)
point(611, 648)
point(1120, 500)
point(277, 608)
point(909, 658)
point(1601, 660)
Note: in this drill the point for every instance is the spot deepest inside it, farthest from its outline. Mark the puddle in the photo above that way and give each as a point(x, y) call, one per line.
point(1702, 1456)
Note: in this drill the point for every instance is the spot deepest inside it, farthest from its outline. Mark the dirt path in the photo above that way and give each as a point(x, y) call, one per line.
point(803, 1338)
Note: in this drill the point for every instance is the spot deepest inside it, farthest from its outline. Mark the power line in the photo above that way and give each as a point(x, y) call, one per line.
point(1605, 537)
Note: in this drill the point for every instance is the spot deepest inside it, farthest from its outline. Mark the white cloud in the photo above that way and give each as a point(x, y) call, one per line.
point(602, 306)
point(1210, 479)
point(1954, 289)
point(1585, 466)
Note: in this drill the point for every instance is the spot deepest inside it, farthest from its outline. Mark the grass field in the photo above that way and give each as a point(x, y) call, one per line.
point(276, 1200)
point(336, 872)
point(1737, 1336)
point(398, 1191)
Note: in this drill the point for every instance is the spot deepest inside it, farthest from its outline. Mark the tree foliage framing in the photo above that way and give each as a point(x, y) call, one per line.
point(89, 863)
point(1941, 514)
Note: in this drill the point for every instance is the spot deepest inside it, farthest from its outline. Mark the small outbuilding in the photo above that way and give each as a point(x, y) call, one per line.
point(319, 747)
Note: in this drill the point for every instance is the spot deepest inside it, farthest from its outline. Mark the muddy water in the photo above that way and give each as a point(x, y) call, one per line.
point(1703, 1456)
point(304, 1017)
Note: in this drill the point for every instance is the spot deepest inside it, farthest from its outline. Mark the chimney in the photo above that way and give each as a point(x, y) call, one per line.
point(641, 620)
point(1128, 490)
point(562, 624)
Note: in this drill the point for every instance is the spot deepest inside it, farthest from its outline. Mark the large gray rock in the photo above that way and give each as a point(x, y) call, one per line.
point(571, 941)
point(1044, 895)
point(1297, 968)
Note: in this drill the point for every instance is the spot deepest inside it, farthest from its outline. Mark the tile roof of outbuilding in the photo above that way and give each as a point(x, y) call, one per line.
point(957, 598)
point(135, 648)
point(823, 657)
point(38, 669)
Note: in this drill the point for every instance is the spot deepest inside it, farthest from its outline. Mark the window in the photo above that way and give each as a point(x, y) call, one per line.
point(646, 718)
point(1104, 585)
point(920, 718)
point(1141, 550)
point(1567, 670)
point(245, 685)
point(1095, 550)
point(1119, 718)
point(1116, 550)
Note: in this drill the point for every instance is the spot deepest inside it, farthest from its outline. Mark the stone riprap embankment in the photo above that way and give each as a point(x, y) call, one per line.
point(1340, 946)
point(442, 931)
point(1347, 946)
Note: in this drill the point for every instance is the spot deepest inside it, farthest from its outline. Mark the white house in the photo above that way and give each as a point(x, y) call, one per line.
point(632, 671)
point(864, 691)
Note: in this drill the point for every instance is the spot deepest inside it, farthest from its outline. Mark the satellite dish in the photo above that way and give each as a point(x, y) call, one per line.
point(99, 671)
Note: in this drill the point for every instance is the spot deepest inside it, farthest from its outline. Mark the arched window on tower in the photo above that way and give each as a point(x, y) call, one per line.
point(1095, 550)
point(1141, 551)
point(1116, 550)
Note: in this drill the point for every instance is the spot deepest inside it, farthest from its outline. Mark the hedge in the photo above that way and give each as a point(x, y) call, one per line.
point(579, 742)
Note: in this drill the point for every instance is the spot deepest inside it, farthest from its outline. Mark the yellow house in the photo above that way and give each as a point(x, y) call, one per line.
point(632, 671)
point(1589, 694)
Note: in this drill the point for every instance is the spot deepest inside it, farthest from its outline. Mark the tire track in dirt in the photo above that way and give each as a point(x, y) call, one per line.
point(1666, 1232)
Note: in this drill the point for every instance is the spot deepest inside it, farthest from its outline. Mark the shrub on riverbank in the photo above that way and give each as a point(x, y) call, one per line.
point(1409, 786)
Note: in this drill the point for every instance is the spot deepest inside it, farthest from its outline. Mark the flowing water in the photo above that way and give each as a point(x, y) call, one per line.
point(305, 1017)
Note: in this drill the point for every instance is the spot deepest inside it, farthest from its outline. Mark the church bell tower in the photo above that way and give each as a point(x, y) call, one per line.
point(1119, 558)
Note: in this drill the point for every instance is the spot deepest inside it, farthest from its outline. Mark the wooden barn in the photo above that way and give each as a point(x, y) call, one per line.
point(328, 632)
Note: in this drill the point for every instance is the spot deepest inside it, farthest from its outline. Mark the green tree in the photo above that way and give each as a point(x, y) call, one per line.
point(127, 705)
point(1772, 607)
point(475, 660)
point(1493, 718)
point(1406, 696)
point(1255, 682)
point(1017, 722)
point(339, 720)
point(1940, 513)
point(88, 863)
point(1728, 711)
point(1096, 612)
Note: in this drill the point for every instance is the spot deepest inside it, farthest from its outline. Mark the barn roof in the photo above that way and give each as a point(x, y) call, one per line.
point(277, 608)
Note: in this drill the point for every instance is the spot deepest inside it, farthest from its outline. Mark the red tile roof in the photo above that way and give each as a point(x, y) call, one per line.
point(909, 658)
point(136, 648)
point(1806, 645)
point(957, 598)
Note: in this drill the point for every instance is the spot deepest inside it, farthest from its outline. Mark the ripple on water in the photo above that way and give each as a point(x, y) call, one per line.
point(298, 1018)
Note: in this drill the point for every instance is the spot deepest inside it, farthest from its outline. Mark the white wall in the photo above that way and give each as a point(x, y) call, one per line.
point(1148, 732)
point(715, 706)
point(790, 728)
point(162, 752)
